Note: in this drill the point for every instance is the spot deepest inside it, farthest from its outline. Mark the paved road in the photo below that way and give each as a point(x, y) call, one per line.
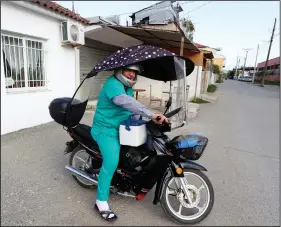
point(242, 161)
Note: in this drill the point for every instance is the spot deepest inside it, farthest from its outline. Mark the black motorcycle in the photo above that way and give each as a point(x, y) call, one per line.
point(161, 161)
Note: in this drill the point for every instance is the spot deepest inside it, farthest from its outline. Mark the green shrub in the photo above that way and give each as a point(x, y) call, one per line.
point(211, 88)
point(199, 101)
point(219, 80)
point(216, 69)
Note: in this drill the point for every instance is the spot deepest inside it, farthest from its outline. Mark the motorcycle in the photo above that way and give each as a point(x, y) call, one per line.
point(161, 161)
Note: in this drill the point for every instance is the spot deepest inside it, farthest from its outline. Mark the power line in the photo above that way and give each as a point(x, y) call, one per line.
point(272, 38)
point(188, 11)
point(276, 35)
point(197, 8)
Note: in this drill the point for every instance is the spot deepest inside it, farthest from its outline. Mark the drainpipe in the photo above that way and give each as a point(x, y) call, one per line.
point(77, 66)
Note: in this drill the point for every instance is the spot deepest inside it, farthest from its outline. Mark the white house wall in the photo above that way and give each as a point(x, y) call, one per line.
point(23, 110)
point(158, 86)
point(191, 81)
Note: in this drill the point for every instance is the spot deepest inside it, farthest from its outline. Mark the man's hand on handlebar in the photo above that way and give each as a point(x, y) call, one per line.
point(159, 119)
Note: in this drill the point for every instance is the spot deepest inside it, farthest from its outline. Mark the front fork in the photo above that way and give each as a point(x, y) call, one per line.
point(181, 181)
point(174, 170)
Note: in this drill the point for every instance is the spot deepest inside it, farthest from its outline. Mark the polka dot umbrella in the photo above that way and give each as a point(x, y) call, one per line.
point(157, 63)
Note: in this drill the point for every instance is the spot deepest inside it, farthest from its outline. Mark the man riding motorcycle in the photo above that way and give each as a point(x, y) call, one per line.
point(115, 104)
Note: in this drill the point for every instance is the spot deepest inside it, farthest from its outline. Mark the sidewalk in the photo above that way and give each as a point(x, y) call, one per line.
point(269, 87)
point(210, 97)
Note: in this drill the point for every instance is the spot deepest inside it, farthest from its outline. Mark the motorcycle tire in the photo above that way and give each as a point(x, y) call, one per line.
point(84, 185)
point(176, 219)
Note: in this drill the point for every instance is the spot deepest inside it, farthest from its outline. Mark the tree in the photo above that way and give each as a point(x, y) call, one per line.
point(216, 69)
point(190, 29)
point(231, 74)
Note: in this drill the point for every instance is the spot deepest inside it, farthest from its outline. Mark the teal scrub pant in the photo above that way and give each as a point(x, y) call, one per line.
point(110, 150)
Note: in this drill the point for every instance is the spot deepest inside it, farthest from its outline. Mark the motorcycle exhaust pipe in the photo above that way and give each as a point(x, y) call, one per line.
point(86, 176)
point(79, 173)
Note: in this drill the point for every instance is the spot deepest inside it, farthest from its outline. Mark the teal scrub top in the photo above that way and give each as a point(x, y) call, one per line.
point(108, 116)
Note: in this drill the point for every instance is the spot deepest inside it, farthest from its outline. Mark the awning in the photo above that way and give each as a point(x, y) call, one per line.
point(156, 37)
point(110, 36)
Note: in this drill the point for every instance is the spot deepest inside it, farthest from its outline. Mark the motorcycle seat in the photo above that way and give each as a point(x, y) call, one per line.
point(84, 132)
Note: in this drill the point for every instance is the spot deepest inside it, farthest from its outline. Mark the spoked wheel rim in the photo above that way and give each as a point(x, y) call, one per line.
point(80, 159)
point(195, 194)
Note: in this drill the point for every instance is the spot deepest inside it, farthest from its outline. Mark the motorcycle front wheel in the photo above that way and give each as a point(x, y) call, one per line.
point(175, 203)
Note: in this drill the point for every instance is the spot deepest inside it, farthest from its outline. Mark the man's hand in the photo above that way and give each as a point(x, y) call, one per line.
point(163, 118)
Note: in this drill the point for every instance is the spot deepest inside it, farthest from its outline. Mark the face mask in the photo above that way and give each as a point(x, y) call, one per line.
point(124, 80)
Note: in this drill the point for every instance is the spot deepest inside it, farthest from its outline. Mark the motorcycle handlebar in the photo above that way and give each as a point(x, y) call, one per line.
point(170, 114)
point(173, 112)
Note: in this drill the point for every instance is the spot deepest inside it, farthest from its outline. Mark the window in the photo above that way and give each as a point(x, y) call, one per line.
point(24, 63)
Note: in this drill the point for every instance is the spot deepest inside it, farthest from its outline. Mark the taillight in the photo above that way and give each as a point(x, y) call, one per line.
point(70, 133)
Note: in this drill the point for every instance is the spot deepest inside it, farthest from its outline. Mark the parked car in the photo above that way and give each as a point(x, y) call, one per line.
point(248, 79)
point(240, 78)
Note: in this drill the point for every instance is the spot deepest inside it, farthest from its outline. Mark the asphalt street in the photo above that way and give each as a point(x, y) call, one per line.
point(242, 160)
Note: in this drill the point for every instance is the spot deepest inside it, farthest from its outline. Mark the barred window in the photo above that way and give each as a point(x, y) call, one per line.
point(24, 63)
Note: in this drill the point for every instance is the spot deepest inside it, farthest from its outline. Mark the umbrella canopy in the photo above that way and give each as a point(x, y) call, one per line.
point(157, 63)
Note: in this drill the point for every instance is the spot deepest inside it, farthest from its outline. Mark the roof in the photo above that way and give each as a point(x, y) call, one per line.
point(273, 61)
point(52, 6)
point(156, 37)
point(200, 45)
point(99, 20)
point(157, 3)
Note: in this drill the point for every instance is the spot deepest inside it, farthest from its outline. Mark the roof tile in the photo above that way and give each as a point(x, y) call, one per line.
point(60, 9)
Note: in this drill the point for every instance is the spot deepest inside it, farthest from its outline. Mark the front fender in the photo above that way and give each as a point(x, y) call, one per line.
point(192, 165)
point(159, 186)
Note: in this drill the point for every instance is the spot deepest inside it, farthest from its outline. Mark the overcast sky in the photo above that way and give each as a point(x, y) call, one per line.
point(231, 25)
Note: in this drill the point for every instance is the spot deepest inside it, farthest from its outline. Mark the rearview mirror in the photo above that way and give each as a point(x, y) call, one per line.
point(168, 104)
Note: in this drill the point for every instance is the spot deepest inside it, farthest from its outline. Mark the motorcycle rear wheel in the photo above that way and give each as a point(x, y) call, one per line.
point(176, 216)
point(75, 154)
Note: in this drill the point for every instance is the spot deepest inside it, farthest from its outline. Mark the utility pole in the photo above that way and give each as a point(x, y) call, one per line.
point(73, 10)
point(247, 50)
point(255, 64)
point(265, 67)
point(237, 63)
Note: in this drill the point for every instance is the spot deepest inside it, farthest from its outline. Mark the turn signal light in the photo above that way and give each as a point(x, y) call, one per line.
point(179, 170)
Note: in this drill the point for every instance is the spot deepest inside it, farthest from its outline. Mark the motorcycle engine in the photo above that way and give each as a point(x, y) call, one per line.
point(134, 158)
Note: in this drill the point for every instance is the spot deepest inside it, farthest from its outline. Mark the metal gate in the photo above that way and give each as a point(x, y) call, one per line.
point(89, 57)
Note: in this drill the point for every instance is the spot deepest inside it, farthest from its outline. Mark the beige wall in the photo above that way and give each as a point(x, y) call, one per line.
point(170, 26)
point(219, 62)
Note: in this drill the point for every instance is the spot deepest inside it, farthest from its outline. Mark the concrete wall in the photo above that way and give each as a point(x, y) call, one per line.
point(213, 78)
point(272, 78)
point(158, 87)
point(27, 109)
point(191, 81)
point(207, 79)
point(165, 27)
